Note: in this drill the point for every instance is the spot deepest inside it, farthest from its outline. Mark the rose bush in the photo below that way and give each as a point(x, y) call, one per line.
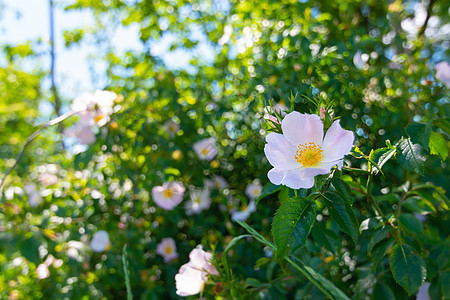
point(234, 177)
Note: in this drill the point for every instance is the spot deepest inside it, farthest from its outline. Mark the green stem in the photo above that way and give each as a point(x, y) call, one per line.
point(354, 169)
point(398, 233)
point(370, 197)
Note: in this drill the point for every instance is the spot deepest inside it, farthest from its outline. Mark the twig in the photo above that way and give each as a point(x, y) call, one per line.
point(53, 62)
point(31, 138)
point(429, 11)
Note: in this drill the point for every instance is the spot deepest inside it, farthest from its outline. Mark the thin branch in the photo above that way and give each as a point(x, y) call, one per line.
point(429, 11)
point(35, 134)
point(53, 63)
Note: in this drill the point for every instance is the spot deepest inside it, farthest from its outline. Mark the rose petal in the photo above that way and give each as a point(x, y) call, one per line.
point(279, 152)
point(337, 143)
point(297, 179)
point(189, 281)
point(302, 128)
point(276, 176)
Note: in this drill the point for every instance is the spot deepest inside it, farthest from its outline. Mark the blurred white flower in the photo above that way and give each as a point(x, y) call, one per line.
point(443, 72)
point(217, 182)
point(227, 32)
point(422, 294)
point(357, 60)
point(243, 214)
point(301, 152)
point(74, 250)
point(206, 149)
point(200, 200)
point(42, 271)
point(94, 109)
point(34, 199)
point(167, 249)
point(254, 189)
point(169, 195)
point(82, 130)
point(421, 217)
point(47, 179)
point(191, 277)
point(101, 100)
point(100, 241)
point(171, 128)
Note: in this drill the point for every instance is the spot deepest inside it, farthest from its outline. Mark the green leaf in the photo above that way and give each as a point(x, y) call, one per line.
point(257, 235)
point(172, 171)
point(380, 250)
point(377, 237)
point(444, 124)
point(30, 249)
point(438, 146)
point(292, 224)
point(411, 156)
point(407, 268)
point(419, 133)
point(342, 213)
point(445, 283)
point(343, 188)
point(325, 238)
point(410, 223)
point(382, 291)
point(326, 286)
point(126, 272)
point(229, 246)
point(381, 156)
point(268, 189)
point(419, 205)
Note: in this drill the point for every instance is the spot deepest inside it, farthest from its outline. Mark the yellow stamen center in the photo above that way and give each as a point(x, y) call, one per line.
point(168, 193)
point(168, 250)
point(309, 154)
point(197, 200)
point(98, 118)
point(205, 151)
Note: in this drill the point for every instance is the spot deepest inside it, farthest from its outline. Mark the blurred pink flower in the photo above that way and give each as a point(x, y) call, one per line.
point(167, 249)
point(278, 108)
point(42, 271)
point(192, 276)
point(322, 113)
point(169, 195)
point(206, 149)
point(47, 179)
point(301, 152)
point(443, 72)
point(34, 199)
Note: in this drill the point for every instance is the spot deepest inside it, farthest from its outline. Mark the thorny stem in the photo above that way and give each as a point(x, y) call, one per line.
point(370, 197)
point(398, 234)
point(31, 138)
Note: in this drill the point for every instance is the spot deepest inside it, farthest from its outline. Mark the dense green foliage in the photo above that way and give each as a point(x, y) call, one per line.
point(356, 234)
